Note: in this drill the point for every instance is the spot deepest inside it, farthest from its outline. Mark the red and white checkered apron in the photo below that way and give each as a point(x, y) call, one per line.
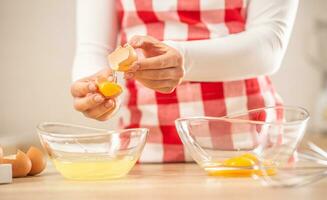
point(184, 20)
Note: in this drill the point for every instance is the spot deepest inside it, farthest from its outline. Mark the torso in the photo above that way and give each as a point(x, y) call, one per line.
point(185, 20)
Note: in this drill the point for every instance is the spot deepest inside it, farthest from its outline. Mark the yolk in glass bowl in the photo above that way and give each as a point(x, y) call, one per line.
point(247, 161)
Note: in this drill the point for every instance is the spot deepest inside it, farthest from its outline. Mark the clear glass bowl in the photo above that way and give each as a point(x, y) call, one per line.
point(83, 153)
point(244, 144)
point(308, 166)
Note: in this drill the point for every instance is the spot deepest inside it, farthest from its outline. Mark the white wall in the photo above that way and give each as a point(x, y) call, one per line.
point(36, 52)
point(298, 81)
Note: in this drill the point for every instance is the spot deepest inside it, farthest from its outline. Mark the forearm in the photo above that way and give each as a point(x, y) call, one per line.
point(235, 57)
point(256, 51)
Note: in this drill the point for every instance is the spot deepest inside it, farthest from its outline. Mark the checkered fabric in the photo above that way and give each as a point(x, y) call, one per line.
point(184, 20)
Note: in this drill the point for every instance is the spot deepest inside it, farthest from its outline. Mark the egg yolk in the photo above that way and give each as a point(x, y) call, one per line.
point(109, 89)
point(250, 157)
point(245, 160)
point(239, 162)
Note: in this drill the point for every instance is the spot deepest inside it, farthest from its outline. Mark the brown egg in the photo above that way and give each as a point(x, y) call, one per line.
point(38, 159)
point(21, 164)
point(1, 152)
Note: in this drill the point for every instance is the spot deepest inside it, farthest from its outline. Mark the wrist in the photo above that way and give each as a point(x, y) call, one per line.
point(180, 49)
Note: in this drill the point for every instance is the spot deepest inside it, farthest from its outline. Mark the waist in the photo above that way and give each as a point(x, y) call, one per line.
point(198, 91)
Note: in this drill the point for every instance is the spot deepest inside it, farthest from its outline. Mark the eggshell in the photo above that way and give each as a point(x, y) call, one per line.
point(38, 160)
point(122, 58)
point(21, 164)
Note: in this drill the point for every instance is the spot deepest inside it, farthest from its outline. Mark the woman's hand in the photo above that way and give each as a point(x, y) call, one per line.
point(161, 69)
point(89, 101)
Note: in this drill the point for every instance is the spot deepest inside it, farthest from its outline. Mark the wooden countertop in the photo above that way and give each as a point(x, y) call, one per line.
point(159, 181)
point(154, 181)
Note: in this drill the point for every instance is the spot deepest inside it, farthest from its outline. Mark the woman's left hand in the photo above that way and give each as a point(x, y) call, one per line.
point(162, 68)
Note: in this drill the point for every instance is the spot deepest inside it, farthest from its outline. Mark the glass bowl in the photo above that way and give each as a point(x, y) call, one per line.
point(83, 153)
point(310, 166)
point(244, 144)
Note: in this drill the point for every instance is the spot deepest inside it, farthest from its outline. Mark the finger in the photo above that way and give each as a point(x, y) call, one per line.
point(108, 114)
point(139, 41)
point(159, 74)
point(81, 88)
point(165, 60)
point(166, 90)
point(100, 110)
point(88, 102)
point(134, 67)
point(129, 75)
point(157, 84)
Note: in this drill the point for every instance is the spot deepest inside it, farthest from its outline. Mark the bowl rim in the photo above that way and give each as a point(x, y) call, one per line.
point(226, 119)
point(104, 132)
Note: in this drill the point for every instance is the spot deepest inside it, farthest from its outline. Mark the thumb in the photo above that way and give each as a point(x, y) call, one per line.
point(106, 74)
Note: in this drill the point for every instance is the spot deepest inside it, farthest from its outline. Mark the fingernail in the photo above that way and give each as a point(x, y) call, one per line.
point(92, 87)
point(109, 104)
point(138, 42)
point(135, 66)
point(129, 75)
point(110, 78)
point(98, 98)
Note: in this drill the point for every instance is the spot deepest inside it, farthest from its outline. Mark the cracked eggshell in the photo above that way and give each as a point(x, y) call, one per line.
point(21, 164)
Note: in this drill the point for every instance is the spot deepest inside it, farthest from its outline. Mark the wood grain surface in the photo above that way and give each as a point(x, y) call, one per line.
point(156, 181)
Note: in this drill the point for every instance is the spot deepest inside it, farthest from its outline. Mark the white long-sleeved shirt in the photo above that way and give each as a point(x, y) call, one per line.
point(254, 52)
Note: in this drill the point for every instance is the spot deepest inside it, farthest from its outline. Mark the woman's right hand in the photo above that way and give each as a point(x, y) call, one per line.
point(89, 101)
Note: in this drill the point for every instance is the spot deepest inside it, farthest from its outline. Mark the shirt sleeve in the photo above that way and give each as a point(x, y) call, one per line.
point(97, 29)
point(256, 51)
